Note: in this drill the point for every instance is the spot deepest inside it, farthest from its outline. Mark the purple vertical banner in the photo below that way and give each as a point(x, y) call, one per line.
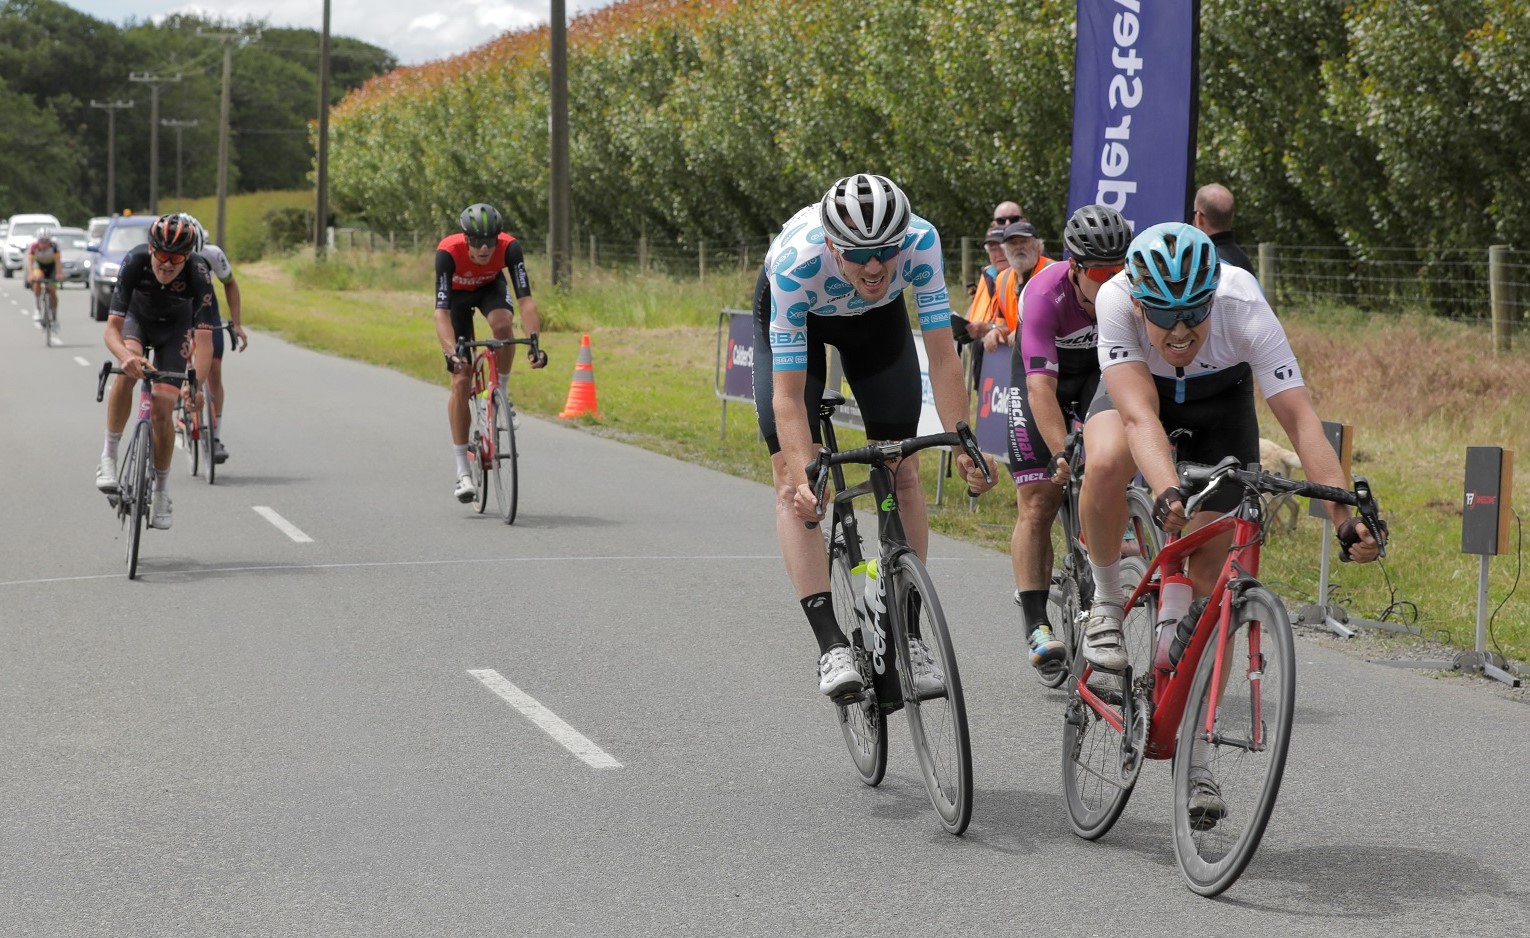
point(1134, 108)
point(992, 424)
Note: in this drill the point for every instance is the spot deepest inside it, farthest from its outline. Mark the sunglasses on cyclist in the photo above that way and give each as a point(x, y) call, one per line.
point(1007, 219)
point(884, 253)
point(166, 257)
point(1101, 273)
point(1166, 318)
point(481, 243)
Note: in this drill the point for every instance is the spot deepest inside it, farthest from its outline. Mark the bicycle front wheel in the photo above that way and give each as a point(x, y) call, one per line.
point(186, 434)
point(861, 722)
point(138, 491)
point(937, 718)
point(478, 450)
point(1226, 781)
point(1143, 537)
point(1065, 604)
point(209, 435)
point(1104, 740)
point(506, 471)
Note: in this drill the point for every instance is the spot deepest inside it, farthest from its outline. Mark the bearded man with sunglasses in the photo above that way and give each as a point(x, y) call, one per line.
point(470, 275)
point(164, 294)
point(1055, 372)
point(1183, 337)
point(836, 275)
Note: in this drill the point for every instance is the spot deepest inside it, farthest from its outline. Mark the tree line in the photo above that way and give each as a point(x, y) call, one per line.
point(55, 60)
point(1366, 123)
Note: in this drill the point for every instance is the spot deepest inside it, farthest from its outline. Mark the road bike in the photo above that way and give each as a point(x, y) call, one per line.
point(1215, 692)
point(47, 310)
point(896, 606)
point(197, 427)
point(492, 451)
point(1072, 589)
point(134, 472)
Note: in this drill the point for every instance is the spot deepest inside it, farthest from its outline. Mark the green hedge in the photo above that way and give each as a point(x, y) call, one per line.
point(1377, 123)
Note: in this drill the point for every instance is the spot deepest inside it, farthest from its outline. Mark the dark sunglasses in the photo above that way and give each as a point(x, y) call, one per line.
point(1007, 219)
point(1102, 273)
point(166, 257)
point(1166, 318)
point(884, 254)
point(481, 243)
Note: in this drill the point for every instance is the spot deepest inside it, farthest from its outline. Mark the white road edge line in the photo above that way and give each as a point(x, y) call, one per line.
point(82, 361)
point(549, 722)
point(282, 524)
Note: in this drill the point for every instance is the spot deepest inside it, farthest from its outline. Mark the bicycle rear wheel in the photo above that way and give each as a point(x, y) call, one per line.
point(1247, 756)
point(187, 435)
point(137, 490)
point(1067, 600)
point(49, 318)
point(861, 722)
point(209, 435)
point(1101, 753)
point(937, 722)
point(506, 468)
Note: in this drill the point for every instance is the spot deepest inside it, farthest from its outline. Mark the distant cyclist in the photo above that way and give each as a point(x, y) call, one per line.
point(218, 263)
point(163, 296)
point(43, 257)
point(470, 275)
point(836, 275)
point(1056, 372)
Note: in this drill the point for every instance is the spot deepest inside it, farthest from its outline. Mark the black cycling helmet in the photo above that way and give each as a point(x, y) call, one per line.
point(481, 220)
point(1097, 233)
point(176, 234)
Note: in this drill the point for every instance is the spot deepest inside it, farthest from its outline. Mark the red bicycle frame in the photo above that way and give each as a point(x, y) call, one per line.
point(485, 383)
point(1171, 686)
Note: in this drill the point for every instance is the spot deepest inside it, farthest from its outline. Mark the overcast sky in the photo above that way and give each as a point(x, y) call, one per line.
point(415, 32)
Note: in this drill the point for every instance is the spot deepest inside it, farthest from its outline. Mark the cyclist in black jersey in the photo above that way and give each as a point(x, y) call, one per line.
point(163, 295)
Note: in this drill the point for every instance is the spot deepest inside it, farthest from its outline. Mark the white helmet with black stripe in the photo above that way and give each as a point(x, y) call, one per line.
point(864, 210)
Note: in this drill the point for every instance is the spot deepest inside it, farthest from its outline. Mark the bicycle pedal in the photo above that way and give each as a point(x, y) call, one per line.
point(849, 698)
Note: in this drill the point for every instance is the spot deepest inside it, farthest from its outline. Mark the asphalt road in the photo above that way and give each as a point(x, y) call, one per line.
point(263, 736)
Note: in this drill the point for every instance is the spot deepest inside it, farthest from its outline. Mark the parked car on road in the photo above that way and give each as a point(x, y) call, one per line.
point(123, 234)
point(20, 233)
point(97, 227)
point(72, 244)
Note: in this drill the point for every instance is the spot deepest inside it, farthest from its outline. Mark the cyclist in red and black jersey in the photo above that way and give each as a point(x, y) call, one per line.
point(470, 274)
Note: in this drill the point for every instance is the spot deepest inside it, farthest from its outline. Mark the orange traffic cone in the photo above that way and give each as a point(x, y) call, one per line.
point(581, 390)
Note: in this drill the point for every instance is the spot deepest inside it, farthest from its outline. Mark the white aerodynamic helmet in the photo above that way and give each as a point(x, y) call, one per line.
point(863, 211)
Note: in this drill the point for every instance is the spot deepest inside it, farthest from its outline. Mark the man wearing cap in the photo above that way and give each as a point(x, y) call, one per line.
point(1023, 254)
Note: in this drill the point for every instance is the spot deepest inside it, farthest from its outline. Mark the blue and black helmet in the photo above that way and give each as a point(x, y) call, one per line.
point(1172, 266)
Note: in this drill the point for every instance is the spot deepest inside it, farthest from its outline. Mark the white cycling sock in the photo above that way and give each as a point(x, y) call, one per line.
point(162, 480)
point(462, 463)
point(1107, 582)
point(110, 450)
point(504, 382)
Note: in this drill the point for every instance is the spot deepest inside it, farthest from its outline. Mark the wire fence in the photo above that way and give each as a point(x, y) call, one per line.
point(1487, 286)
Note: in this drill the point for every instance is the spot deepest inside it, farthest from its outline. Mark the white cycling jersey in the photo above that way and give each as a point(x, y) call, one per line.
point(806, 280)
point(218, 261)
point(1243, 330)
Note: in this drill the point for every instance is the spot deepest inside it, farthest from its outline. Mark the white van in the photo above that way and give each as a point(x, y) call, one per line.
point(22, 231)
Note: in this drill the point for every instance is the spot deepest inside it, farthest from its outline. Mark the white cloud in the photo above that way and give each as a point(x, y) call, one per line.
point(395, 25)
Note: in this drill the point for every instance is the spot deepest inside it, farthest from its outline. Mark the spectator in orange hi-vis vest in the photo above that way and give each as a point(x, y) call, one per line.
point(1023, 250)
point(983, 312)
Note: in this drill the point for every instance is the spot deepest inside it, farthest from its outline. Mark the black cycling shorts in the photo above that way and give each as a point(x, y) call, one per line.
point(1221, 418)
point(877, 351)
point(1030, 459)
point(170, 340)
point(49, 269)
point(493, 295)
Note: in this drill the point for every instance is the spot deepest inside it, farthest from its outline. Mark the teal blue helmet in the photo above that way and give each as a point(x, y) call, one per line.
point(1172, 266)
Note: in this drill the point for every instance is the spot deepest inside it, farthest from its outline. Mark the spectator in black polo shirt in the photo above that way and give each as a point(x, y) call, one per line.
point(1214, 215)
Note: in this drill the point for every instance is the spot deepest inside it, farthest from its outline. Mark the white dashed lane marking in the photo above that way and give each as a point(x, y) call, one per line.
point(549, 722)
point(283, 525)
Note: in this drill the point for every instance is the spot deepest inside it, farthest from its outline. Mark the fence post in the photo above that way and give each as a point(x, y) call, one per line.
point(643, 248)
point(966, 262)
point(1501, 296)
point(416, 236)
point(1267, 267)
point(594, 258)
point(390, 240)
point(701, 254)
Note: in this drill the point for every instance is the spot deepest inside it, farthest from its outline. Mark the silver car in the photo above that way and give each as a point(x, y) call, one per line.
point(76, 260)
